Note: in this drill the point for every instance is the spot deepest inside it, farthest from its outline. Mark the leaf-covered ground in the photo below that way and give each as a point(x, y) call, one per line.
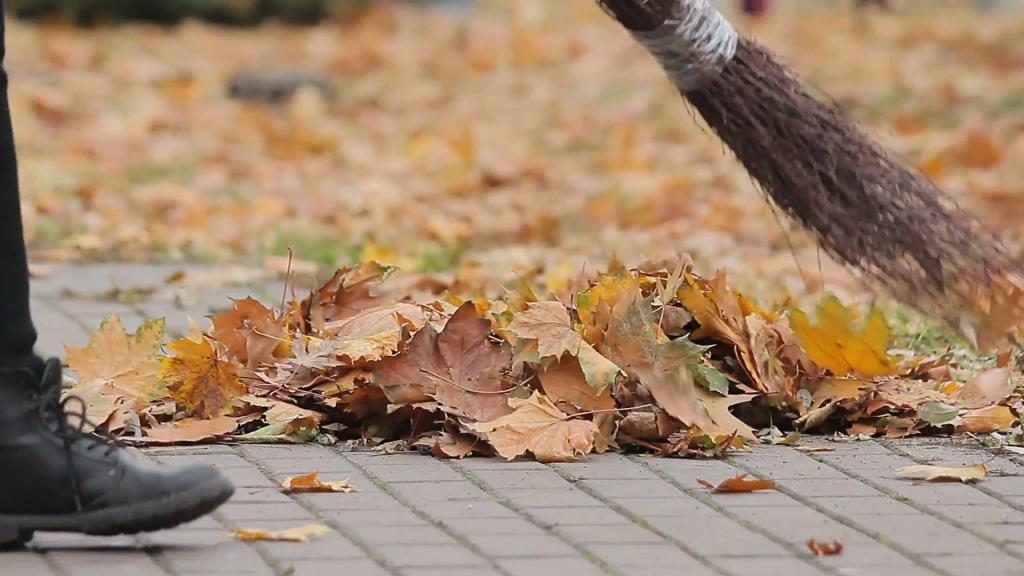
point(536, 180)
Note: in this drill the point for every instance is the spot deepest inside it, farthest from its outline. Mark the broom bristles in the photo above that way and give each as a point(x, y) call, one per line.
point(866, 209)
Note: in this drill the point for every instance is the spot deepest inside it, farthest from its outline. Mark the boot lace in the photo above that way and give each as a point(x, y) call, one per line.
point(66, 418)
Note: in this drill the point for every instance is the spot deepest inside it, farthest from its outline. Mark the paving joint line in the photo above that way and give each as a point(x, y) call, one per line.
point(582, 486)
point(318, 514)
point(893, 495)
point(387, 489)
point(696, 494)
point(975, 485)
point(489, 490)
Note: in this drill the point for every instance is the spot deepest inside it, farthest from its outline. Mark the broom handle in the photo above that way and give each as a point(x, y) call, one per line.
point(693, 45)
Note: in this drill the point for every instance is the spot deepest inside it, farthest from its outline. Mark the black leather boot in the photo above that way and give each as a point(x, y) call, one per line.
point(54, 477)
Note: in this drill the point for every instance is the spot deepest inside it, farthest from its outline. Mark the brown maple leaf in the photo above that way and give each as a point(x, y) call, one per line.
point(460, 367)
point(250, 332)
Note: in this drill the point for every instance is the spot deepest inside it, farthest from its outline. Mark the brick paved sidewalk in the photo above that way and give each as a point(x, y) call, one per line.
point(610, 514)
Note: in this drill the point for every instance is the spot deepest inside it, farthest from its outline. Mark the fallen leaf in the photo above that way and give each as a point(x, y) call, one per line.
point(739, 483)
point(965, 474)
point(836, 345)
point(117, 364)
point(461, 367)
point(663, 366)
point(250, 331)
point(312, 483)
point(722, 420)
point(538, 426)
point(937, 413)
point(190, 430)
point(549, 324)
point(454, 445)
point(824, 548)
point(300, 534)
point(199, 379)
point(564, 381)
point(986, 420)
point(989, 387)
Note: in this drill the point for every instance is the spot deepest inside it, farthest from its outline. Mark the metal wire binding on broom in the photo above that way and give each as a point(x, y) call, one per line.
point(692, 47)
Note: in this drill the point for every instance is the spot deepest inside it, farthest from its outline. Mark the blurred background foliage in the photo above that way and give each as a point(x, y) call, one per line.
point(234, 12)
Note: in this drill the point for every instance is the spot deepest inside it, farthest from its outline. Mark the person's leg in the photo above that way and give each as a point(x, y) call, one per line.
point(57, 477)
point(17, 335)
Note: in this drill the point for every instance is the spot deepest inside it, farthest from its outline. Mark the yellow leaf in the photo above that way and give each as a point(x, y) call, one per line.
point(986, 420)
point(300, 534)
point(965, 474)
point(537, 426)
point(312, 483)
point(837, 346)
point(203, 383)
point(564, 381)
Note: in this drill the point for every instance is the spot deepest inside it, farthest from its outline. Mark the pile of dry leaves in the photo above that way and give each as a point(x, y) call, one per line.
point(657, 359)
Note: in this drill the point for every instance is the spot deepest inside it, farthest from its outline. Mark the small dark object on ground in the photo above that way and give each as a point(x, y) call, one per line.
point(276, 87)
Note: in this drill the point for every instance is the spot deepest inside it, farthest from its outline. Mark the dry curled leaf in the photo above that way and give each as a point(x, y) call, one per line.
point(965, 474)
point(824, 548)
point(312, 483)
point(739, 483)
point(299, 534)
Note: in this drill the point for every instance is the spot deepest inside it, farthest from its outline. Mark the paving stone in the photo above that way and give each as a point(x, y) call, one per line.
point(108, 562)
point(510, 526)
point(426, 471)
point(987, 564)
point(619, 534)
point(244, 512)
point(422, 491)
point(577, 516)
point(225, 557)
point(720, 536)
point(445, 510)
point(320, 567)
point(378, 535)
point(549, 498)
point(833, 487)
point(654, 488)
point(969, 514)
point(626, 556)
point(521, 546)
point(429, 555)
point(523, 479)
point(550, 567)
point(25, 562)
point(768, 566)
point(450, 571)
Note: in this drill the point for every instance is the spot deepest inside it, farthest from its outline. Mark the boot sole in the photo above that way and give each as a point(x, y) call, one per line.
point(147, 516)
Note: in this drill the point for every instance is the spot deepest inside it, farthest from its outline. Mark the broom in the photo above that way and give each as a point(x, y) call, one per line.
point(890, 223)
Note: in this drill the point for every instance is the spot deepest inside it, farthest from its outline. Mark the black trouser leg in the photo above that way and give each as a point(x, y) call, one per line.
point(17, 334)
